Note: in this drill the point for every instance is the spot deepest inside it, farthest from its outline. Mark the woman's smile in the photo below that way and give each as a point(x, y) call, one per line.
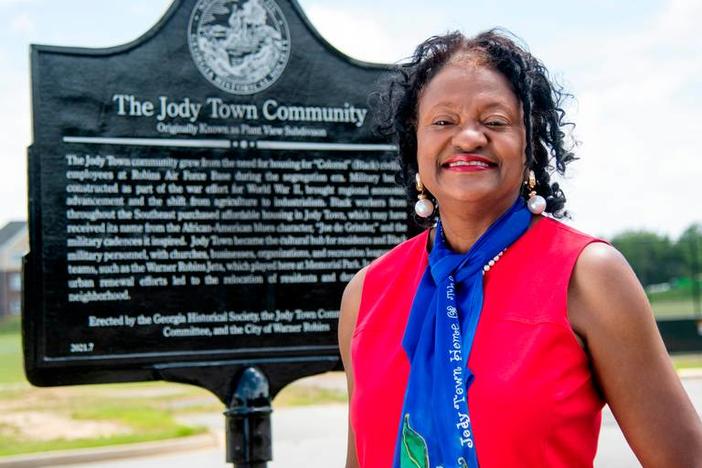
point(468, 163)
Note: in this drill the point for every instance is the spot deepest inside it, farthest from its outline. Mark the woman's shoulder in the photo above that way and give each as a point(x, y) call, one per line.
point(548, 226)
point(594, 261)
point(604, 294)
point(600, 272)
point(596, 258)
point(551, 247)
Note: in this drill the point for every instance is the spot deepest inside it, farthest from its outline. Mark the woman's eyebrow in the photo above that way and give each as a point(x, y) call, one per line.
point(488, 106)
point(445, 103)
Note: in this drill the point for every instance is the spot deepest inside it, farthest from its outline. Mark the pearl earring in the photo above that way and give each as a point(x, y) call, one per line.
point(424, 207)
point(536, 203)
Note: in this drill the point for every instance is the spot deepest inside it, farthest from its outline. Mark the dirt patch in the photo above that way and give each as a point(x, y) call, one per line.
point(33, 425)
point(37, 398)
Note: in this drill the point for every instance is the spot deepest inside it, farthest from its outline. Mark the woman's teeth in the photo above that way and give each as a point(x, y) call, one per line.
point(468, 163)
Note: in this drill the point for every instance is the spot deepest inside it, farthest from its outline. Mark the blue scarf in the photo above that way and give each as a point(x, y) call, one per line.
point(435, 428)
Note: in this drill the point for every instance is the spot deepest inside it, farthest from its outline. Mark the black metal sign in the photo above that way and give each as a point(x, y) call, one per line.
point(199, 198)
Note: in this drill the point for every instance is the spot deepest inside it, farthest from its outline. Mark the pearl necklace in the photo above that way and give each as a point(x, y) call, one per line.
point(492, 262)
point(489, 264)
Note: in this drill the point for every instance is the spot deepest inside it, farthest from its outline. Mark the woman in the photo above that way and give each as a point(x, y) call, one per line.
point(496, 336)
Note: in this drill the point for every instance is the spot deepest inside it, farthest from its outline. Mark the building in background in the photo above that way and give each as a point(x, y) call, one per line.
point(14, 243)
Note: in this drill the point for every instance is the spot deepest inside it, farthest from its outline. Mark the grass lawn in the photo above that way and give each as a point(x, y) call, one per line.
point(687, 361)
point(86, 416)
point(42, 419)
point(11, 325)
point(11, 359)
point(137, 412)
point(296, 395)
point(674, 308)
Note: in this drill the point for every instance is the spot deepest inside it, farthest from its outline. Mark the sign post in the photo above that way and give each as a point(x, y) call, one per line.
point(198, 200)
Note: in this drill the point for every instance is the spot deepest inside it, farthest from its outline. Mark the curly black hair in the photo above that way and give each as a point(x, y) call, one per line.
point(547, 148)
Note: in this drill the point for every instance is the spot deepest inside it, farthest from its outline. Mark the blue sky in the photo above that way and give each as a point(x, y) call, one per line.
point(634, 68)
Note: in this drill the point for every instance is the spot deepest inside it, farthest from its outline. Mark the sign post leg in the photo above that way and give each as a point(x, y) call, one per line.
point(248, 421)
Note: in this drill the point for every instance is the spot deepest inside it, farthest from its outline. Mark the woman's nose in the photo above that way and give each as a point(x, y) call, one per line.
point(469, 136)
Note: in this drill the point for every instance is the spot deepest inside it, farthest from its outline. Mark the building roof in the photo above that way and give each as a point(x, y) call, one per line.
point(10, 230)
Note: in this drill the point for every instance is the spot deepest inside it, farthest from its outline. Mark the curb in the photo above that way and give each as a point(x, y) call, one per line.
point(142, 449)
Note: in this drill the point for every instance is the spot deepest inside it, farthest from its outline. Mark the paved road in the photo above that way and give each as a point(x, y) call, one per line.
point(315, 437)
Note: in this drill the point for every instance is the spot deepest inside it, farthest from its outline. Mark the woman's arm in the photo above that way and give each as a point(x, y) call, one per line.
point(350, 302)
point(608, 309)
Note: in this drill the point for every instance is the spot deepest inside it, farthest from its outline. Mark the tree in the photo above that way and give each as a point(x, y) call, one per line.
point(654, 258)
point(689, 246)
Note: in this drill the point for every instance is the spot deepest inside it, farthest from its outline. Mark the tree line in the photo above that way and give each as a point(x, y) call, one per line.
point(659, 259)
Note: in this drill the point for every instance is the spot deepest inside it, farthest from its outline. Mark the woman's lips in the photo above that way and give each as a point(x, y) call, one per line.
point(468, 163)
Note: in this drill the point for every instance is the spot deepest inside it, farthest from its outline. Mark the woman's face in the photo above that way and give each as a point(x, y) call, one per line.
point(470, 136)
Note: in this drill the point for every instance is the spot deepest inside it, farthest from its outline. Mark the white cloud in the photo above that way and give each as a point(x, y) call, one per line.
point(15, 121)
point(358, 33)
point(23, 24)
point(14, 137)
point(640, 165)
point(681, 20)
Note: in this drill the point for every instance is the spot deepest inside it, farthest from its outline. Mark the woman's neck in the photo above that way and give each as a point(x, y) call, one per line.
point(463, 227)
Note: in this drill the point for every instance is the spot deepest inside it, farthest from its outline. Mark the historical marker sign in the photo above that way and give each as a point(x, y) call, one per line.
point(200, 196)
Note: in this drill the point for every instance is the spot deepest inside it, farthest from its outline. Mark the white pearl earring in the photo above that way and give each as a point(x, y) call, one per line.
point(424, 207)
point(535, 203)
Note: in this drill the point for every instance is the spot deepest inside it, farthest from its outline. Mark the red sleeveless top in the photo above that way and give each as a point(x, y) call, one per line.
point(533, 402)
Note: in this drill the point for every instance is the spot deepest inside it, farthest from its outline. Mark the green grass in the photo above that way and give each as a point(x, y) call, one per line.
point(149, 409)
point(676, 294)
point(674, 308)
point(676, 302)
point(9, 447)
point(687, 361)
point(294, 395)
point(681, 288)
point(147, 418)
point(10, 325)
point(15, 445)
point(11, 369)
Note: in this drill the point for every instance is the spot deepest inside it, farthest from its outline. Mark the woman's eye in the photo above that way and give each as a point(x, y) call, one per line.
point(496, 123)
point(441, 122)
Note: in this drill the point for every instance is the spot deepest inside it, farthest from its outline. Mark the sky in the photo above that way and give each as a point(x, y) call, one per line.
point(634, 69)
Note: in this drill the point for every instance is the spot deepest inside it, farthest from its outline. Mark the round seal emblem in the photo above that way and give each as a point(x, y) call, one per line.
point(240, 46)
